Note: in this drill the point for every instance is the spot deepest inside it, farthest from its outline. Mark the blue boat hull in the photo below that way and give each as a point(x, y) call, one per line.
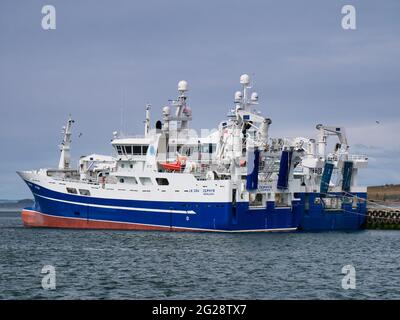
point(316, 217)
point(55, 209)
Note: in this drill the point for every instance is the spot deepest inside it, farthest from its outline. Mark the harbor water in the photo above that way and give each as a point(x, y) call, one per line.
point(105, 264)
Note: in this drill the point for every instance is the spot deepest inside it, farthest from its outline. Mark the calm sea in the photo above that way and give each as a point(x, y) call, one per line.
point(157, 265)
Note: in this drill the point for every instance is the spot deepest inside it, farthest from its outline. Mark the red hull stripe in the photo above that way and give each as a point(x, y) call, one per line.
point(33, 218)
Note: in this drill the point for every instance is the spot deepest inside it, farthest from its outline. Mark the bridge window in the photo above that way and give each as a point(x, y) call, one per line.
point(128, 149)
point(132, 149)
point(137, 150)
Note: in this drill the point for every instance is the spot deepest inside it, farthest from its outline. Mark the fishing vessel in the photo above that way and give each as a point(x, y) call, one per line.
point(231, 179)
point(169, 179)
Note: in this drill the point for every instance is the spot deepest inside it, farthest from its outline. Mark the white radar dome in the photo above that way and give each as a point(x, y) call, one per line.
point(182, 85)
point(245, 79)
point(166, 110)
point(238, 96)
point(254, 96)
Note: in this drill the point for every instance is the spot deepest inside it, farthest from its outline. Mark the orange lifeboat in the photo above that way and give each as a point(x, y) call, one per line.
point(178, 165)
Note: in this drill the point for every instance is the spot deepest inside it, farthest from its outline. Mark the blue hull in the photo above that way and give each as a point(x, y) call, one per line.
point(315, 217)
point(307, 214)
point(163, 215)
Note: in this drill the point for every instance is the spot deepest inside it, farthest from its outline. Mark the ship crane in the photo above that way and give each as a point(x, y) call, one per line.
point(65, 147)
point(324, 132)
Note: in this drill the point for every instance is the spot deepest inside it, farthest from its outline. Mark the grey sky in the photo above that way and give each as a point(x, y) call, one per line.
point(108, 55)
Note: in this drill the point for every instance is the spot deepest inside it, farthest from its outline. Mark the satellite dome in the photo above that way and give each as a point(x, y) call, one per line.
point(245, 79)
point(238, 96)
point(166, 110)
point(182, 86)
